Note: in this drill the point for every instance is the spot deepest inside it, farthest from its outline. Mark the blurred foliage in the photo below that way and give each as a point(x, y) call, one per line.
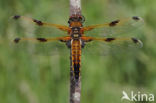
point(27, 75)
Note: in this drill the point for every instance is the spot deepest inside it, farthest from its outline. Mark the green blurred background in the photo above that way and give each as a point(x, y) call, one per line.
point(28, 74)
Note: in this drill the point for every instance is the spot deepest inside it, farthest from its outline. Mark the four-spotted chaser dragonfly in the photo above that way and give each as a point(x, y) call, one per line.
point(76, 39)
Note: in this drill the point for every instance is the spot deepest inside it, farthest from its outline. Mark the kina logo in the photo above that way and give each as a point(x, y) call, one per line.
point(138, 96)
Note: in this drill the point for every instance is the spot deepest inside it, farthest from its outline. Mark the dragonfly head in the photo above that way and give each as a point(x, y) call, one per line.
point(76, 19)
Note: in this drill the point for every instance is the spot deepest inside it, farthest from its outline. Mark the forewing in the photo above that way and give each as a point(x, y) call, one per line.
point(118, 27)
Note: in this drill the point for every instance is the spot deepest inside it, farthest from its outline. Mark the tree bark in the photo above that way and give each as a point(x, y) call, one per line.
point(75, 7)
point(75, 89)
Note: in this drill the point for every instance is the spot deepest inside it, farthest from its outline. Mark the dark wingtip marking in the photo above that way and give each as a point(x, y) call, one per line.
point(113, 23)
point(135, 18)
point(42, 39)
point(109, 39)
point(16, 17)
point(135, 40)
point(16, 40)
point(38, 22)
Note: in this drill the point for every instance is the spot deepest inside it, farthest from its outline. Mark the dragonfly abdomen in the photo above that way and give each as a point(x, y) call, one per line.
point(76, 58)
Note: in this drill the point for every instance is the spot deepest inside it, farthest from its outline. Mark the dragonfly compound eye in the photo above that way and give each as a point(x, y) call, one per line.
point(70, 20)
point(82, 19)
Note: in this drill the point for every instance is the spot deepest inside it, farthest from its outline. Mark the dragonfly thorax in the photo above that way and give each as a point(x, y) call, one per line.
point(75, 33)
point(69, 43)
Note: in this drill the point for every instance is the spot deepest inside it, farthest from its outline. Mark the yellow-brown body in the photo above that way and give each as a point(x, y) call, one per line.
point(76, 32)
point(76, 57)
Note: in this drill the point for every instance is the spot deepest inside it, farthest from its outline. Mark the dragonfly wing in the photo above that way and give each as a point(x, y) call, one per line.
point(105, 46)
point(42, 46)
point(119, 27)
point(50, 49)
point(40, 23)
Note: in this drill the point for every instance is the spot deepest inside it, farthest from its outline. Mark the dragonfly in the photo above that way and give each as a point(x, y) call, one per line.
point(76, 39)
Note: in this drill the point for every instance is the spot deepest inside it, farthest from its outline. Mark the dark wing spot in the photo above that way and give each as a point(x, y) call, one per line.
point(135, 40)
point(38, 22)
point(89, 40)
point(42, 39)
point(62, 40)
point(135, 18)
point(83, 44)
point(113, 23)
point(68, 43)
point(109, 39)
point(16, 40)
point(16, 17)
